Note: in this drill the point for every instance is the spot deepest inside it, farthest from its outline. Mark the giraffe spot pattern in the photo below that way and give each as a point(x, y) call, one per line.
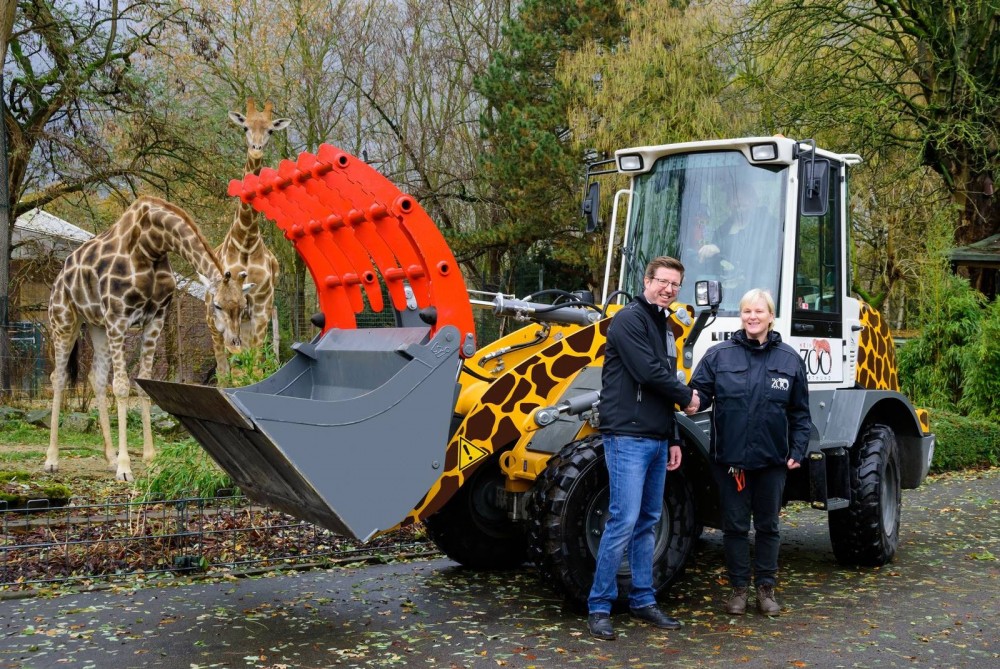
point(876, 367)
point(118, 279)
point(493, 423)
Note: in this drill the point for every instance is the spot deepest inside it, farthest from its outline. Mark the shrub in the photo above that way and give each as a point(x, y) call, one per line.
point(964, 442)
point(932, 366)
point(981, 366)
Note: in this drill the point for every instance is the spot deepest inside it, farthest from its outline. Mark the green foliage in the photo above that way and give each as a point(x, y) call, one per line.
point(532, 167)
point(17, 431)
point(919, 76)
point(18, 487)
point(56, 491)
point(932, 367)
point(981, 365)
point(249, 366)
point(183, 469)
point(964, 442)
point(665, 83)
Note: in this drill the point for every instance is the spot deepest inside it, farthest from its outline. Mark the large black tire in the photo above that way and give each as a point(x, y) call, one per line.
point(568, 512)
point(866, 533)
point(473, 529)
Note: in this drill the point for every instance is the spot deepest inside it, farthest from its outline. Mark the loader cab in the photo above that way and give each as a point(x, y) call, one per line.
point(715, 211)
point(750, 213)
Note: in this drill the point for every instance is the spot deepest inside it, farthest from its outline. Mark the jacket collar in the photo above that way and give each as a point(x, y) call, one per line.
point(652, 308)
point(740, 337)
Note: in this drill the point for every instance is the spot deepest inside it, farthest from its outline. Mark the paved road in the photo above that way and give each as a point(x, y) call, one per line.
point(934, 607)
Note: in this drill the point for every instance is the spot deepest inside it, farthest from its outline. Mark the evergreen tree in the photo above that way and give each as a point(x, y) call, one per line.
point(532, 166)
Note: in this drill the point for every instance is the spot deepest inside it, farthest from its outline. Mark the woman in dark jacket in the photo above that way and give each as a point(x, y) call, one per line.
point(760, 430)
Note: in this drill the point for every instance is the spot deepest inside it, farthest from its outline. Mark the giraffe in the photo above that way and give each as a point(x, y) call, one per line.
point(244, 246)
point(123, 278)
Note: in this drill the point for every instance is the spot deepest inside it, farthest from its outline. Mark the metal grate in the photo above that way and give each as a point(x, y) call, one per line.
point(123, 538)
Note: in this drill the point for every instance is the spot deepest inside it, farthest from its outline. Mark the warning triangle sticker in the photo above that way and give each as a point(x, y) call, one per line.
point(469, 453)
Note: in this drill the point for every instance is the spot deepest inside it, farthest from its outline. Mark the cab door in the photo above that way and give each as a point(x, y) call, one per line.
point(818, 319)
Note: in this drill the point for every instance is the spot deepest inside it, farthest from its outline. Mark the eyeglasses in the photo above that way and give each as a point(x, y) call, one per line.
point(667, 282)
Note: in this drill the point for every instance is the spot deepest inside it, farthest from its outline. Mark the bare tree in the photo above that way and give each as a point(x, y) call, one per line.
point(6, 27)
point(385, 80)
point(79, 109)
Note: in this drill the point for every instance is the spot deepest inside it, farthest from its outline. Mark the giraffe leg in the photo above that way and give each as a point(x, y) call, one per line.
point(258, 323)
point(247, 336)
point(99, 369)
point(272, 311)
point(275, 334)
point(150, 336)
point(62, 346)
point(120, 385)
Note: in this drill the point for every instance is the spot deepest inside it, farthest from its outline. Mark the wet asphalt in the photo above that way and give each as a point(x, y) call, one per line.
point(935, 606)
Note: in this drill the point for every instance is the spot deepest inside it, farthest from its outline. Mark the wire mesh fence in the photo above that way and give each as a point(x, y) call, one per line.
point(124, 538)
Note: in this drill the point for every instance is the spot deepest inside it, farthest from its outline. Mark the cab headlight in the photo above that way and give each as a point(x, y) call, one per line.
point(630, 163)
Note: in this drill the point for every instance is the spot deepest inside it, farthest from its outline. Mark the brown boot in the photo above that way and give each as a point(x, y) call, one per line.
point(766, 603)
point(737, 602)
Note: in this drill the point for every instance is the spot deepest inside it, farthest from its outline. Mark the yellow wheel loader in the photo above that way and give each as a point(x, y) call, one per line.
point(496, 448)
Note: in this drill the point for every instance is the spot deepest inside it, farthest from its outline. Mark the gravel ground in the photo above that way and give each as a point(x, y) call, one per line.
point(934, 607)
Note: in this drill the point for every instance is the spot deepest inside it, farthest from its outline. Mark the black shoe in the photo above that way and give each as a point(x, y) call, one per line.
point(654, 616)
point(599, 625)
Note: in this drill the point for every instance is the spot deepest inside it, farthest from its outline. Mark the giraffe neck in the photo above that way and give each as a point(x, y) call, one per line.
point(253, 165)
point(244, 234)
point(178, 234)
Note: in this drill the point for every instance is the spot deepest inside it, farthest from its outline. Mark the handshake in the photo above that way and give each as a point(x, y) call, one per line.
point(695, 404)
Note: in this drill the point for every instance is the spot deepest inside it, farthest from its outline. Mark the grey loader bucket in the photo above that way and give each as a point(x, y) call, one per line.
point(350, 434)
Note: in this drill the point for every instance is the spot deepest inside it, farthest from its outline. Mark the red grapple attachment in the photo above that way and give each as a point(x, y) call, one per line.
point(350, 224)
point(328, 437)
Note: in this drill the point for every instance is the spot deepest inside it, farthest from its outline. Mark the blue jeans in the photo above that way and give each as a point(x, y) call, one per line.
point(637, 470)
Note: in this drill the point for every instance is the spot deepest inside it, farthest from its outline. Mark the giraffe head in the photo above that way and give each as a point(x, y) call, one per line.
point(258, 126)
point(229, 301)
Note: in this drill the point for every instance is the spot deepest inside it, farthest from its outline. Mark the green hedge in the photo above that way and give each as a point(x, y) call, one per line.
point(963, 442)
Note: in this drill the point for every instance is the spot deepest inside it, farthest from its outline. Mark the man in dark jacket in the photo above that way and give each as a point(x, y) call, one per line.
point(639, 388)
point(760, 430)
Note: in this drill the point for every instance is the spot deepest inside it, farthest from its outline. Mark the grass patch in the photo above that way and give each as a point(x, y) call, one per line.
point(21, 456)
point(17, 489)
point(83, 467)
point(183, 469)
point(251, 365)
point(19, 432)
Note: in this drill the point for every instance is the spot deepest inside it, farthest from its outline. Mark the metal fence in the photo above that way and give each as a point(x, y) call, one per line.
point(41, 544)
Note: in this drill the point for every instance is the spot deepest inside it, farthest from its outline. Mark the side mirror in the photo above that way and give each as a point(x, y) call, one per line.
point(815, 187)
point(708, 294)
point(592, 206)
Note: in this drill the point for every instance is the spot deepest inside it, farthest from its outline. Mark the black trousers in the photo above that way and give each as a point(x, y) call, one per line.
point(761, 500)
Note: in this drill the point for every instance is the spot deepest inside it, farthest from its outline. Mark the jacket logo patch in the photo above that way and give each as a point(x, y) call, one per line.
point(779, 384)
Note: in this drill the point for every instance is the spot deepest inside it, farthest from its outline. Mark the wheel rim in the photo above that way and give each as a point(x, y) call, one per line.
point(889, 495)
point(597, 517)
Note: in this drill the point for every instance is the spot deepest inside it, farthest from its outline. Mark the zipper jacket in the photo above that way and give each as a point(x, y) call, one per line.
point(761, 394)
point(639, 385)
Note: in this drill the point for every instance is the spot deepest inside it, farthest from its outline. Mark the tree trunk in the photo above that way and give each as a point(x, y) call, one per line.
point(6, 227)
point(6, 224)
point(980, 220)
